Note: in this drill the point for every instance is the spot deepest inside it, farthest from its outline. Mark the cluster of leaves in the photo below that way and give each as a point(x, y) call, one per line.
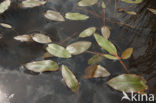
point(124, 82)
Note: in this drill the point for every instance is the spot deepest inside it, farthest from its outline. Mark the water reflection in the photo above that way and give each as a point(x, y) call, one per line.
point(4, 97)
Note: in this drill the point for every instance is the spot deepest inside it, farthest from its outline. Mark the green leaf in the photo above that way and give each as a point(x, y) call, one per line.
point(96, 71)
point(4, 5)
point(23, 38)
point(95, 59)
point(54, 15)
point(103, 5)
point(105, 32)
point(32, 3)
point(58, 51)
point(41, 38)
point(127, 53)
point(110, 57)
point(42, 66)
point(76, 16)
point(128, 83)
point(87, 32)
point(131, 12)
point(70, 79)
point(6, 25)
point(132, 1)
point(87, 2)
point(105, 44)
point(152, 10)
point(78, 47)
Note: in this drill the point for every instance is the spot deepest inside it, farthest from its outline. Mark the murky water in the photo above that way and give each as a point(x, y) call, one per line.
point(138, 32)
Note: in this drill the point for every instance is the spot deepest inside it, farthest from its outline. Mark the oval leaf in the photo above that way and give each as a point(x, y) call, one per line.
point(96, 71)
point(42, 66)
point(152, 10)
point(103, 5)
point(76, 16)
point(54, 15)
point(131, 12)
point(110, 57)
point(70, 79)
point(4, 5)
point(58, 51)
point(128, 83)
point(127, 53)
point(32, 3)
point(41, 38)
point(78, 47)
point(88, 32)
point(105, 44)
point(23, 38)
point(95, 59)
point(6, 25)
point(105, 32)
point(87, 2)
point(132, 1)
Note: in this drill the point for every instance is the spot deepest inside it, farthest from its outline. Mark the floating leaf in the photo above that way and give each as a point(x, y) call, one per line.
point(32, 3)
point(46, 55)
point(41, 38)
point(105, 32)
point(132, 1)
point(78, 47)
point(23, 38)
point(6, 25)
point(76, 16)
point(87, 2)
point(58, 51)
point(95, 59)
point(152, 10)
point(87, 32)
point(105, 44)
point(110, 57)
point(96, 71)
point(127, 53)
point(128, 83)
point(70, 79)
point(103, 5)
point(54, 15)
point(42, 66)
point(131, 12)
point(4, 5)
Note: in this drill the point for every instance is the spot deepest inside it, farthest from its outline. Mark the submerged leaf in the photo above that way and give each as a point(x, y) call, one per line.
point(95, 59)
point(96, 71)
point(110, 57)
point(54, 15)
point(42, 66)
point(128, 83)
point(105, 44)
point(131, 12)
point(32, 3)
point(127, 53)
point(152, 10)
point(132, 1)
point(87, 32)
point(23, 38)
point(6, 25)
point(1, 36)
point(46, 55)
point(76, 16)
point(78, 47)
point(87, 2)
point(58, 51)
point(4, 5)
point(103, 5)
point(105, 32)
point(70, 79)
point(41, 38)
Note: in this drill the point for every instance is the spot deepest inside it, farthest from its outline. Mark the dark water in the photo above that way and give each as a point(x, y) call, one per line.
point(138, 32)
